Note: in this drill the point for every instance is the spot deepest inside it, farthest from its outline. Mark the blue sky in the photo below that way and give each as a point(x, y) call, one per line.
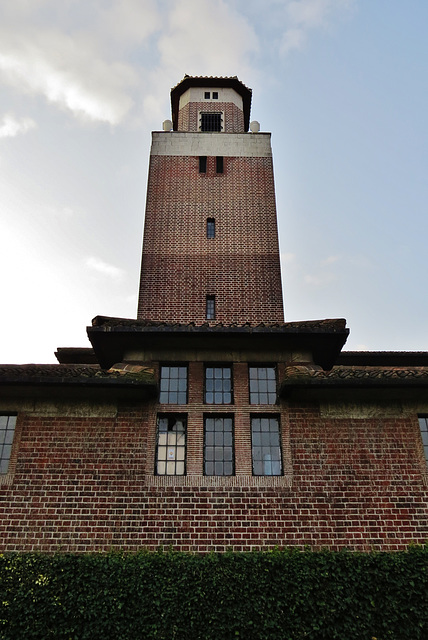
point(341, 84)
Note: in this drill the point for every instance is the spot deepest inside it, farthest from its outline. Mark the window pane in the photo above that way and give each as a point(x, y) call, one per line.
point(173, 385)
point(171, 445)
point(262, 385)
point(218, 446)
point(423, 425)
point(219, 380)
point(210, 307)
point(267, 459)
point(7, 430)
point(210, 228)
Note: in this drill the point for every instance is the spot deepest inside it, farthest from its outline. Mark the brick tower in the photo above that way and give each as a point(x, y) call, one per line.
point(210, 251)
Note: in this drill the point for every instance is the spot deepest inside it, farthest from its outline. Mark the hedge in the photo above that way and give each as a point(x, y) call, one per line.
point(284, 595)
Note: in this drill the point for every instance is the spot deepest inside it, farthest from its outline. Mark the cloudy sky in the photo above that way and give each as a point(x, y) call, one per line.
point(341, 84)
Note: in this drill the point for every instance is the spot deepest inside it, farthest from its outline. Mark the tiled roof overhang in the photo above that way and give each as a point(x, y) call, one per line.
point(32, 379)
point(210, 81)
point(112, 338)
point(352, 377)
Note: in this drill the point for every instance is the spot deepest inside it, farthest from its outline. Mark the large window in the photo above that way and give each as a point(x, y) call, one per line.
point(7, 430)
point(266, 446)
point(210, 122)
point(218, 446)
point(218, 385)
point(173, 384)
point(423, 424)
point(262, 385)
point(171, 445)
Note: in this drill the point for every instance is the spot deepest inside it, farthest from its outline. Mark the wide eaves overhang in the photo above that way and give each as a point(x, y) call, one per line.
point(376, 376)
point(113, 338)
point(210, 81)
point(54, 380)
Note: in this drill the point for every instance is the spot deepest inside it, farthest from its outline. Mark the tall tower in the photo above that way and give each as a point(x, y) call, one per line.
point(210, 251)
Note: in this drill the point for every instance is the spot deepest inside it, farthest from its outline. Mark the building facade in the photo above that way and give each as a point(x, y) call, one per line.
point(208, 423)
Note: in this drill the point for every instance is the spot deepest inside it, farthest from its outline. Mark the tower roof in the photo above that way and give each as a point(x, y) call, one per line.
point(209, 81)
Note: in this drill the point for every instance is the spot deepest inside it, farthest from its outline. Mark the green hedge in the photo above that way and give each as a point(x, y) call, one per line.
point(250, 596)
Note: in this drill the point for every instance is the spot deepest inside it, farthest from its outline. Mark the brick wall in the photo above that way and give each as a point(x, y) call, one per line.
point(85, 483)
point(240, 266)
point(233, 117)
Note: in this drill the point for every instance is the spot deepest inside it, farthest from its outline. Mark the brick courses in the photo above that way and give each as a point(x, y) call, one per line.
point(240, 266)
point(86, 483)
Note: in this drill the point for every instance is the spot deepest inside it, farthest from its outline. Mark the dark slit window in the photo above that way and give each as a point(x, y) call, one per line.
point(210, 308)
point(219, 164)
point(210, 228)
point(202, 164)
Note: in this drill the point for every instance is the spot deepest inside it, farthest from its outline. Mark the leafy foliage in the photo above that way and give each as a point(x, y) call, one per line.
point(276, 595)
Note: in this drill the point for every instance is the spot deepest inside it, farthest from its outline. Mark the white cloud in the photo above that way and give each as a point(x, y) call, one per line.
point(206, 37)
point(11, 126)
point(330, 260)
point(321, 279)
point(303, 15)
point(68, 72)
point(287, 258)
point(104, 268)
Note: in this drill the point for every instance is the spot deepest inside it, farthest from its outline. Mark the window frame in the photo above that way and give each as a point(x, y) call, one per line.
point(170, 445)
point(255, 446)
point(213, 391)
point(210, 307)
point(423, 428)
point(7, 442)
point(210, 230)
point(209, 115)
point(216, 445)
point(174, 365)
point(258, 392)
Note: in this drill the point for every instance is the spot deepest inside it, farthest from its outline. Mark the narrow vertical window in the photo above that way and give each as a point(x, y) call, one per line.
point(7, 430)
point(219, 164)
point(215, 95)
point(218, 385)
point(173, 385)
point(207, 95)
point(202, 164)
point(265, 446)
point(218, 446)
point(423, 424)
point(171, 446)
point(210, 228)
point(210, 308)
point(262, 385)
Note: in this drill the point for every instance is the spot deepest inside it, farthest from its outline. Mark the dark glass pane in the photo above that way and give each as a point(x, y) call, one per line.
point(209, 437)
point(209, 397)
point(218, 468)
point(228, 468)
point(210, 385)
point(218, 398)
point(209, 468)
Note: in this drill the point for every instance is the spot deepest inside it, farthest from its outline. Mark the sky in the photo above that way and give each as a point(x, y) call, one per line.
point(342, 85)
